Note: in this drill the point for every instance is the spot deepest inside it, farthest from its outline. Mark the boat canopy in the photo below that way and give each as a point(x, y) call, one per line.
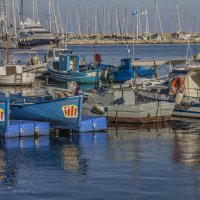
point(137, 63)
point(68, 63)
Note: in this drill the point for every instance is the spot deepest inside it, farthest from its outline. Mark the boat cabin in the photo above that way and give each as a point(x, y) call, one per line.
point(125, 71)
point(117, 95)
point(187, 79)
point(53, 54)
point(68, 63)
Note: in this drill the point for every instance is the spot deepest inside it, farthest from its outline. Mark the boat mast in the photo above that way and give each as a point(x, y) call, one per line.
point(14, 18)
point(61, 28)
point(22, 11)
point(178, 23)
point(126, 22)
point(104, 19)
point(157, 18)
point(36, 11)
point(5, 16)
point(33, 10)
point(54, 17)
point(49, 15)
point(137, 24)
point(118, 27)
point(109, 21)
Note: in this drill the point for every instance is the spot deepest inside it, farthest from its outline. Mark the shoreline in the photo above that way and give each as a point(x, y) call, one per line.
point(108, 42)
point(111, 42)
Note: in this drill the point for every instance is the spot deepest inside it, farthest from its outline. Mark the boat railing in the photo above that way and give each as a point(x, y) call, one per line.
point(195, 96)
point(150, 96)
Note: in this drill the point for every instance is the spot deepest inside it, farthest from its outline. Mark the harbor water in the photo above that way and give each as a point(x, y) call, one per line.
point(135, 162)
point(143, 162)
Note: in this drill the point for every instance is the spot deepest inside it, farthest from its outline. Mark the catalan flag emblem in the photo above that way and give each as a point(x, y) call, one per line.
point(70, 111)
point(2, 115)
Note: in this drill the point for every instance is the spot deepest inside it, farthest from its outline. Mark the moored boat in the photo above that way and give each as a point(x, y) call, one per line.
point(14, 75)
point(30, 62)
point(33, 34)
point(63, 111)
point(68, 69)
point(126, 71)
point(128, 106)
point(184, 85)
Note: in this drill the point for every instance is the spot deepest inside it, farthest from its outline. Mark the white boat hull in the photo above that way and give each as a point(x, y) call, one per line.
point(142, 113)
point(192, 111)
point(27, 79)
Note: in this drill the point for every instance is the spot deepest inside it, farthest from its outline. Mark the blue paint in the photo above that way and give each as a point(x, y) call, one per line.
point(68, 69)
point(89, 124)
point(125, 72)
point(52, 111)
point(21, 128)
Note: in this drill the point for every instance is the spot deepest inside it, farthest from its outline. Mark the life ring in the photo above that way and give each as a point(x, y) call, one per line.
point(177, 81)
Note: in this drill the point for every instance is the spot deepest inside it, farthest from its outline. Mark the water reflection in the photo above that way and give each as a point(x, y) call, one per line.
point(71, 153)
point(70, 158)
point(12, 156)
point(37, 88)
point(185, 145)
point(2, 165)
point(133, 159)
point(24, 143)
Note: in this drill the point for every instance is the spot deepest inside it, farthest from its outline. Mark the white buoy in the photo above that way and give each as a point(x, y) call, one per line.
point(178, 98)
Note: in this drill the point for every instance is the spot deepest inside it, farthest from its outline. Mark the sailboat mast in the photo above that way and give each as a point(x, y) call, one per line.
point(33, 10)
point(22, 11)
point(14, 18)
point(178, 23)
point(147, 31)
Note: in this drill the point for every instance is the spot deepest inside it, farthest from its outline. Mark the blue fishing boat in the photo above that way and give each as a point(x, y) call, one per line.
point(4, 113)
point(126, 71)
point(68, 69)
point(62, 111)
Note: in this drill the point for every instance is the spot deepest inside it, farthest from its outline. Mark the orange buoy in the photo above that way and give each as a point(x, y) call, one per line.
point(177, 85)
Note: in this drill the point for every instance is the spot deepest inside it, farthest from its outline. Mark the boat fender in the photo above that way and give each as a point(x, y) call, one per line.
point(191, 103)
point(178, 98)
point(21, 131)
point(100, 110)
point(105, 109)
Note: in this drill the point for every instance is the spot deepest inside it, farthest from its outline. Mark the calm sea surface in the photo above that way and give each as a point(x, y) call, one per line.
point(138, 162)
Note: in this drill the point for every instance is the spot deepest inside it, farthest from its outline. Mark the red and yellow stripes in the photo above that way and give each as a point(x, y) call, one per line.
point(70, 111)
point(2, 115)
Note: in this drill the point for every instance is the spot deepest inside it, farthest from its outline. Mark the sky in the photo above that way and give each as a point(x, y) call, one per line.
point(71, 10)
